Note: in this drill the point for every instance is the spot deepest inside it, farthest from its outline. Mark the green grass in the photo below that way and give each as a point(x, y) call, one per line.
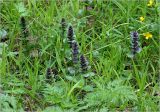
point(114, 81)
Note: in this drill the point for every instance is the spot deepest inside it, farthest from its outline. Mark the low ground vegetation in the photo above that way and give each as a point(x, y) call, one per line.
point(79, 55)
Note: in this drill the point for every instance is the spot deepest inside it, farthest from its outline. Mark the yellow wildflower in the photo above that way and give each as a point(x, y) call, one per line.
point(141, 19)
point(147, 35)
point(150, 3)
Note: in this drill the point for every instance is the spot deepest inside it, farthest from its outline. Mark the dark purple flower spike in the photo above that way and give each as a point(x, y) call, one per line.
point(75, 52)
point(70, 35)
point(84, 63)
point(135, 43)
point(49, 73)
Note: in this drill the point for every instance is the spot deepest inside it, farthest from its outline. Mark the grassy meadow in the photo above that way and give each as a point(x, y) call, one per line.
point(79, 55)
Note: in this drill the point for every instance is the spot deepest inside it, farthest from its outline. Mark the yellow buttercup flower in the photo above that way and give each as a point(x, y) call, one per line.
point(150, 3)
point(141, 19)
point(147, 35)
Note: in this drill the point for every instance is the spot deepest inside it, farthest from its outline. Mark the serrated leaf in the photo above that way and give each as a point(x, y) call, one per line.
point(115, 93)
point(21, 9)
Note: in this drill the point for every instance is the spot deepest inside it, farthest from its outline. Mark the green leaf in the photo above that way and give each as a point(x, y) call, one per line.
point(90, 74)
point(53, 109)
point(3, 33)
point(79, 84)
point(114, 94)
point(21, 9)
point(12, 54)
point(71, 78)
point(71, 70)
point(88, 88)
point(8, 103)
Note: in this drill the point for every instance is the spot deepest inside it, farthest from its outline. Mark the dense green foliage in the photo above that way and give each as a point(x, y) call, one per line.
point(74, 55)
